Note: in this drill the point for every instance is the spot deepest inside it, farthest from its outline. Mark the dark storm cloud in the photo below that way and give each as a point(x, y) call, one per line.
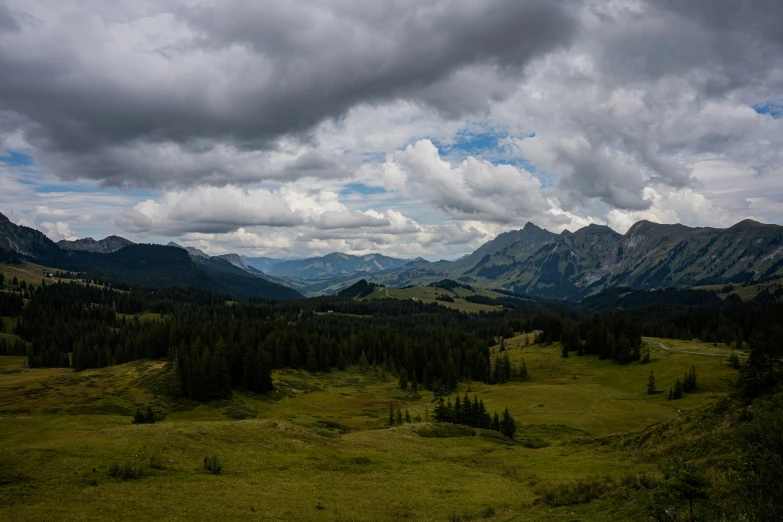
point(100, 105)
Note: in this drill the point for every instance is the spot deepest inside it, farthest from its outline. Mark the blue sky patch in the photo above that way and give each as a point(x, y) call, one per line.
point(361, 188)
point(17, 159)
point(769, 108)
point(473, 143)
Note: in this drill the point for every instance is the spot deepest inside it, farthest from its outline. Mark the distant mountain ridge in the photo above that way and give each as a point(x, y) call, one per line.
point(649, 255)
point(141, 265)
point(335, 264)
point(103, 246)
point(531, 261)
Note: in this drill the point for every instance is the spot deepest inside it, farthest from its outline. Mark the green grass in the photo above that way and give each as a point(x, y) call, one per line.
point(746, 293)
point(318, 447)
point(428, 294)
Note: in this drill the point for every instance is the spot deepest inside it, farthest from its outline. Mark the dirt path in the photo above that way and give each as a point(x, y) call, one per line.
point(696, 353)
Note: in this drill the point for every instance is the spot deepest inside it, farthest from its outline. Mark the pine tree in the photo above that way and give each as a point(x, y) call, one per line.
point(508, 425)
point(264, 372)
point(407, 416)
point(523, 376)
point(312, 360)
point(138, 418)
point(399, 416)
point(677, 390)
point(403, 379)
point(149, 418)
point(414, 383)
point(363, 364)
point(564, 350)
point(651, 384)
point(496, 422)
point(502, 344)
point(391, 415)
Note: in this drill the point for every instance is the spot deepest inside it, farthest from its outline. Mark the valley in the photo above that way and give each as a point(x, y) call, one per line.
point(61, 430)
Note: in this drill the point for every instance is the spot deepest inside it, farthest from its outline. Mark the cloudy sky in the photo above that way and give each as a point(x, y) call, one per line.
point(404, 127)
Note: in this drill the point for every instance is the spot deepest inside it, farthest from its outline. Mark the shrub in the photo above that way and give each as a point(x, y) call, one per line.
point(572, 493)
point(213, 465)
point(126, 471)
point(534, 443)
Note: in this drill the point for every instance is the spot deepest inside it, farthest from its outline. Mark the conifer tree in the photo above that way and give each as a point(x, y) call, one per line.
point(508, 425)
point(502, 344)
point(651, 384)
point(391, 415)
point(312, 360)
point(496, 422)
point(523, 376)
point(677, 393)
point(399, 416)
point(403, 379)
point(407, 416)
point(414, 383)
point(564, 351)
point(264, 373)
point(363, 364)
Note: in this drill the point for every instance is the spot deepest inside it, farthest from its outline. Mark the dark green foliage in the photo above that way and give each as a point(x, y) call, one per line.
point(522, 374)
point(126, 471)
point(676, 392)
point(363, 364)
point(763, 370)
point(11, 303)
point(391, 415)
point(213, 465)
point(684, 485)
point(758, 469)
point(572, 493)
point(689, 383)
point(651, 384)
point(144, 417)
point(358, 290)
point(403, 383)
point(508, 425)
point(448, 284)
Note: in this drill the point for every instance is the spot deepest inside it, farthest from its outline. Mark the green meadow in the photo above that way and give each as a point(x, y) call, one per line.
point(429, 294)
point(319, 447)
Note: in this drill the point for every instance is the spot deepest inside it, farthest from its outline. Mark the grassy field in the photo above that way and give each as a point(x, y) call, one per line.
point(428, 294)
point(745, 293)
point(29, 272)
point(318, 448)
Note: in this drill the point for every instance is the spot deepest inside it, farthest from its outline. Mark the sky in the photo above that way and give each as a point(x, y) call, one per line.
point(409, 128)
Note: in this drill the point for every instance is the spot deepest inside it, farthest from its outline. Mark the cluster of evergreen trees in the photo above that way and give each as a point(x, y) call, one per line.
point(215, 345)
point(474, 414)
point(608, 335)
point(144, 417)
point(685, 385)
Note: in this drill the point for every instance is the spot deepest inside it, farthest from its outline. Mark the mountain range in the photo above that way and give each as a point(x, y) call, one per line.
point(571, 265)
point(138, 264)
point(530, 261)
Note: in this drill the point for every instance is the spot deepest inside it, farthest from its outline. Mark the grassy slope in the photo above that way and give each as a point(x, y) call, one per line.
point(746, 293)
point(427, 294)
point(318, 448)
